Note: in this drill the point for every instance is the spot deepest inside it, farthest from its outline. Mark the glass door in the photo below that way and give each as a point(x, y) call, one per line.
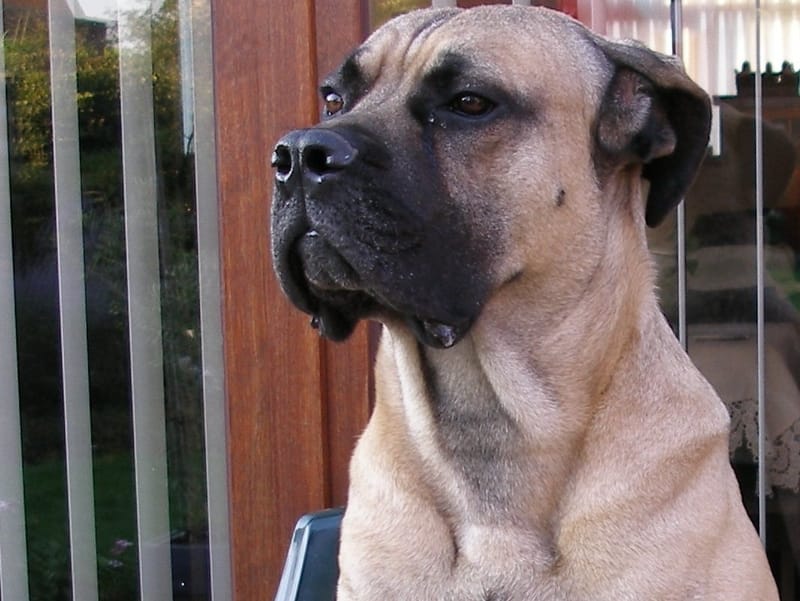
point(730, 261)
point(113, 467)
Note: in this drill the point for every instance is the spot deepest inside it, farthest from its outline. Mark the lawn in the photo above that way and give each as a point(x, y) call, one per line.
point(115, 527)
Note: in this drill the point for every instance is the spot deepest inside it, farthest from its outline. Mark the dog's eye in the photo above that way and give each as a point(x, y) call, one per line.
point(333, 103)
point(470, 105)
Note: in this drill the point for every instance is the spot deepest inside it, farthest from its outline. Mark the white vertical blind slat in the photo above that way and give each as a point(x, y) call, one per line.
point(72, 302)
point(144, 299)
point(13, 558)
point(210, 299)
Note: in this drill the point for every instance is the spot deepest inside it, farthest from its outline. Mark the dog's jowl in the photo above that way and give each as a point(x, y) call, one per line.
point(481, 183)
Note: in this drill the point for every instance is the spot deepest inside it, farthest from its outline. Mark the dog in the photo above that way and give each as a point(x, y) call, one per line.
point(480, 183)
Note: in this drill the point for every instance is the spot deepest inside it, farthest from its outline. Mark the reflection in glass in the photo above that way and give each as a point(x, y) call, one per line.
point(381, 11)
point(45, 52)
point(725, 317)
point(741, 214)
point(742, 241)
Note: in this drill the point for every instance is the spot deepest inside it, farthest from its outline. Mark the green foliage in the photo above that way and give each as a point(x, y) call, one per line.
point(98, 98)
point(47, 533)
point(383, 10)
point(28, 81)
point(31, 160)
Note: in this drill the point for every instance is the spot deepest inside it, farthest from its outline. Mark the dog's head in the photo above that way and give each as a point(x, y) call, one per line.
point(461, 149)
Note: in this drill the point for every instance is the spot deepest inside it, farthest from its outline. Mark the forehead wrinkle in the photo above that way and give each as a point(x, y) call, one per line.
point(421, 34)
point(446, 67)
point(451, 65)
point(392, 43)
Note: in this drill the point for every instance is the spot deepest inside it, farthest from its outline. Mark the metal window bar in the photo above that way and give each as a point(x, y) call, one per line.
point(760, 366)
point(676, 6)
point(72, 301)
point(13, 560)
point(210, 299)
point(144, 299)
point(676, 15)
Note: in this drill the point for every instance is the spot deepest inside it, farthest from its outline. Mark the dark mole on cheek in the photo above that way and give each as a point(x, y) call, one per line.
point(562, 196)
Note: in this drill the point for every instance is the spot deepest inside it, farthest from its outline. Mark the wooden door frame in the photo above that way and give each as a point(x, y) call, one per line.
point(296, 403)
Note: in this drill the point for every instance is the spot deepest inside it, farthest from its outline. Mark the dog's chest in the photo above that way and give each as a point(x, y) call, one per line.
point(474, 434)
point(503, 562)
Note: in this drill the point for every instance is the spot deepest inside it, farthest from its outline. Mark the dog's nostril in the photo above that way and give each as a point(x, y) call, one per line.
point(282, 160)
point(311, 154)
point(318, 159)
point(325, 152)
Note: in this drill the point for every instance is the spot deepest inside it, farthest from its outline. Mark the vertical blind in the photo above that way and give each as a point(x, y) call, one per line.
point(13, 560)
point(164, 242)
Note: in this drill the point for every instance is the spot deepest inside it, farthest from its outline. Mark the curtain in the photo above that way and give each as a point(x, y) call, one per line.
point(718, 35)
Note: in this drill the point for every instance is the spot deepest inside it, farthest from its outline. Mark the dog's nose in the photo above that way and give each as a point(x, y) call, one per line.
point(311, 154)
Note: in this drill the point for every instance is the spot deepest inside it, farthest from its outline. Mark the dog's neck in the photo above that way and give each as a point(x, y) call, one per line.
point(511, 402)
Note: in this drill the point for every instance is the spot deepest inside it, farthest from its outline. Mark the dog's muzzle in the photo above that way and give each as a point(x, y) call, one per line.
point(312, 273)
point(304, 161)
point(353, 237)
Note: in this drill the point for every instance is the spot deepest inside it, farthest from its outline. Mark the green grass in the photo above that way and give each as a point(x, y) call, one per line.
point(788, 280)
point(48, 536)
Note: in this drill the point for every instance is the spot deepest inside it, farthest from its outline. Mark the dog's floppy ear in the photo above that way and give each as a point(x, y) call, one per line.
point(653, 113)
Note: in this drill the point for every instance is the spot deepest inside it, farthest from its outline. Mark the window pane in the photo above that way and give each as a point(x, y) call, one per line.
point(27, 60)
point(742, 321)
point(136, 163)
point(780, 35)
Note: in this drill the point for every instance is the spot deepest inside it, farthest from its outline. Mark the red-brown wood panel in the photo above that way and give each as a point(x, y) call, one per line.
point(264, 72)
point(341, 26)
point(295, 402)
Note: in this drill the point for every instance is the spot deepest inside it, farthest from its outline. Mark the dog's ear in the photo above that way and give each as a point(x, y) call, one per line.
point(653, 113)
